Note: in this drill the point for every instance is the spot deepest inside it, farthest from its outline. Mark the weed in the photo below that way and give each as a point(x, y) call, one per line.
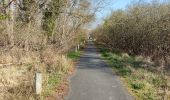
point(17, 80)
point(73, 55)
point(53, 80)
point(137, 85)
point(124, 71)
point(143, 83)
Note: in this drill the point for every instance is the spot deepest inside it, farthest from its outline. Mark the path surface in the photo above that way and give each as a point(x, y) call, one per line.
point(94, 80)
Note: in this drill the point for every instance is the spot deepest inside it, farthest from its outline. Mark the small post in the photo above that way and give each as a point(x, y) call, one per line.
point(81, 43)
point(76, 49)
point(38, 83)
point(78, 46)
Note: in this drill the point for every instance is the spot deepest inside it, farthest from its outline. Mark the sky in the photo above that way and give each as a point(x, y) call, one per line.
point(109, 6)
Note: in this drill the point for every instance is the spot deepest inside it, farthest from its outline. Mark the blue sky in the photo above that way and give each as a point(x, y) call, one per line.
point(112, 5)
point(109, 6)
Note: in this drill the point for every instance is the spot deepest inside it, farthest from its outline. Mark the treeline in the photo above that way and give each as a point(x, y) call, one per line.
point(31, 24)
point(35, 36)
point(141, 29)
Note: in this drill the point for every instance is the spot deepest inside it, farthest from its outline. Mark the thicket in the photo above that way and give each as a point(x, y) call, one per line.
point(34, 37)
point(141, 29)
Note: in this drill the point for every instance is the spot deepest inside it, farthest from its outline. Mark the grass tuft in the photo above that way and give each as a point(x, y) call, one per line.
point(142, 82)
point(17, 79)
point(73, 55)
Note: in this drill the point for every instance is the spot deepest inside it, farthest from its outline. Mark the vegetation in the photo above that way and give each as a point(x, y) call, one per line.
point(39, 36)
point(141, 30)
point(144, 84)
point(73, 55)
point(35, 36)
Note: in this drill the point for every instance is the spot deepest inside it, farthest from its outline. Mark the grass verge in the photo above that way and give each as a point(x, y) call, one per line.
point(54, 80)
point(143, 82)
point(18, 79)
point(73, 55)
point(57, 78)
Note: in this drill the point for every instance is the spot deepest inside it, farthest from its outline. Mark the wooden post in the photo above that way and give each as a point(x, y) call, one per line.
point(38, 83)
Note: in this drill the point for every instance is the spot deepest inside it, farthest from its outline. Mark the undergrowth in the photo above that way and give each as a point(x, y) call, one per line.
point(53, 80)
point(73, 55)
point(143, 82)
point(17, 73)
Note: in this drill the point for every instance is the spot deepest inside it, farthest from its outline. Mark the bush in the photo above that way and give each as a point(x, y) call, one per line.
point(141, 29)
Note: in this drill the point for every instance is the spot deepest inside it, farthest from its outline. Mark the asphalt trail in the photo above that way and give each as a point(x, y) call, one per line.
point(94, 80)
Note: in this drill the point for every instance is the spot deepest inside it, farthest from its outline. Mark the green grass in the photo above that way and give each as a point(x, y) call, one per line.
point(73, 55)
point(137, 85)
point(142, 83)
point(54, 79)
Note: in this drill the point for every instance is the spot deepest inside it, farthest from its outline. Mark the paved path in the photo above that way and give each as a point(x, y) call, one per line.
point(94, 80)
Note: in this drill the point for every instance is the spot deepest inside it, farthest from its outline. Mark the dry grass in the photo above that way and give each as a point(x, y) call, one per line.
point(26, 47)
point(140, 76)
point(17, 68)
